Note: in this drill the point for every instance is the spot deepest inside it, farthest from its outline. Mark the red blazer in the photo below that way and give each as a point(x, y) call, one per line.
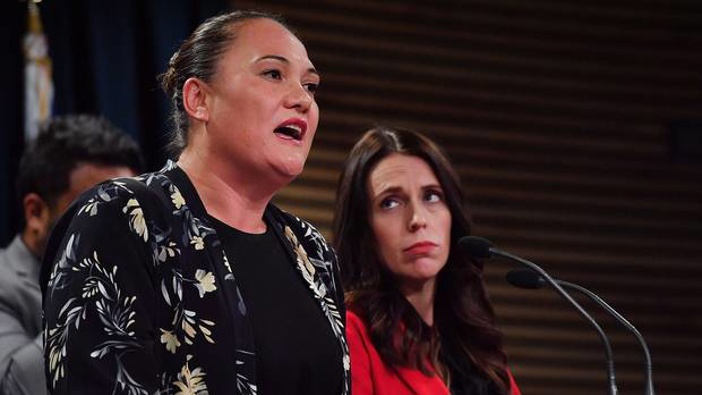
point(371, 376)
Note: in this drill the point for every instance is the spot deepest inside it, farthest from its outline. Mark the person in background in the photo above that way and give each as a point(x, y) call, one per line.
point(70, 154)
point(419, 320)
point(188, 280)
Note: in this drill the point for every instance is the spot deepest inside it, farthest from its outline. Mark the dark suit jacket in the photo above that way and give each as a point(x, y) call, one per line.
point(21, 357)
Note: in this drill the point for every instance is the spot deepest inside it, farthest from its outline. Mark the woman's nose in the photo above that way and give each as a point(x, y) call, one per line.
point(418, 220)
point(299, 98)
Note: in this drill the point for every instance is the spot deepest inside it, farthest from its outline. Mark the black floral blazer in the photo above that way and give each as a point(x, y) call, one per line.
point(139, 296)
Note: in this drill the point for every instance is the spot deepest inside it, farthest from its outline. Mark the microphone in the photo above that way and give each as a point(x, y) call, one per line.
point(482, 248)
point(526, 278)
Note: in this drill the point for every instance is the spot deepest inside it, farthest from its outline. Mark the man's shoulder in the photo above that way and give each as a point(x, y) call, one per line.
point(8, 272)
point(15, 281)
point(16, 259)
point(4, 258)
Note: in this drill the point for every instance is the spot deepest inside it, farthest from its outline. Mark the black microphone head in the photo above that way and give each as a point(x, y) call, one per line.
point(477, 247)
point(525, 278)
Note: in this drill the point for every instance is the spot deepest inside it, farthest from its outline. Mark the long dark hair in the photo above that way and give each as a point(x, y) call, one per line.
point(464, 316)
point(197, 57)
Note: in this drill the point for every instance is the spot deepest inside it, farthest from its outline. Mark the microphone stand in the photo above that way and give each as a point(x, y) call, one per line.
point(647, 355)
point(608, 349)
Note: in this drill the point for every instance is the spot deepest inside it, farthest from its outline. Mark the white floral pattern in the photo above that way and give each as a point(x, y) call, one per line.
point(170, 340)
point(136, 218)
point(205, 282)
point(139, 282)
point(320, 291)
point(191, 382)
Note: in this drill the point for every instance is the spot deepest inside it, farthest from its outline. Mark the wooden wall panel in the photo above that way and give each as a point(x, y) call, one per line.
point(557, 115)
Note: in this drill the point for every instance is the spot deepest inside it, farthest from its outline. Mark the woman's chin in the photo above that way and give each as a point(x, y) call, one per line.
point(290, 169)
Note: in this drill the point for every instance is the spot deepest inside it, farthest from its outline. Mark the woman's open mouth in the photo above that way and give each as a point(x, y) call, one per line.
point(292, 129)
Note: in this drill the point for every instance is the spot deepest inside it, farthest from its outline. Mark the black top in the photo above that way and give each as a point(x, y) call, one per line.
point(465, 378)
point(296, 351)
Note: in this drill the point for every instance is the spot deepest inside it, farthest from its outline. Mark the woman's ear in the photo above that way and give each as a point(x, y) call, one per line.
point(196, 98)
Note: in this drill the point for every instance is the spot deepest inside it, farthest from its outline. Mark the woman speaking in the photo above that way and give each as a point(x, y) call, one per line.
point(179, 281)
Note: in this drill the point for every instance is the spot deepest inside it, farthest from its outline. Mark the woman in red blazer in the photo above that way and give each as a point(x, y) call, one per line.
point(419, 320)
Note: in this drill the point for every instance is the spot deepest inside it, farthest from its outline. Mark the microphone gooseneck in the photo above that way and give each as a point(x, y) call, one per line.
point(647, 355)
point(482, 248)
point(527, 278)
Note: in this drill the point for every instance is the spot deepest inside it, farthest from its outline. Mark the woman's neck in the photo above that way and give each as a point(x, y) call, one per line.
point(421, 297)
point(227, 195)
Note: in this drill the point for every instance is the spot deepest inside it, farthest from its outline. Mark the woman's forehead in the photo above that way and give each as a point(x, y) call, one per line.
point(264, 37)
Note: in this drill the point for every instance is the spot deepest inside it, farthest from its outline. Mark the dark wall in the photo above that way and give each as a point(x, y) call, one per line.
point(13, 15)
point(573, 127)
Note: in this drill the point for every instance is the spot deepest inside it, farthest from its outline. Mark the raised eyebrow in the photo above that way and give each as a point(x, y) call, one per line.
point(275, 57)
point(388, 191)
point(283, 59)
point(314, 71)
point(433, 186)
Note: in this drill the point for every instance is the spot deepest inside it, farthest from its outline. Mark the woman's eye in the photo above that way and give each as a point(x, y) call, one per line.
point(433, 196)
point(388, 203)
point(275, 74)
point(311, 87)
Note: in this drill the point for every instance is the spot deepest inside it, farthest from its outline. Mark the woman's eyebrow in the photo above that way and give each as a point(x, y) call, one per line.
point(389, 189)
point(274, 57)
point(283, 59)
